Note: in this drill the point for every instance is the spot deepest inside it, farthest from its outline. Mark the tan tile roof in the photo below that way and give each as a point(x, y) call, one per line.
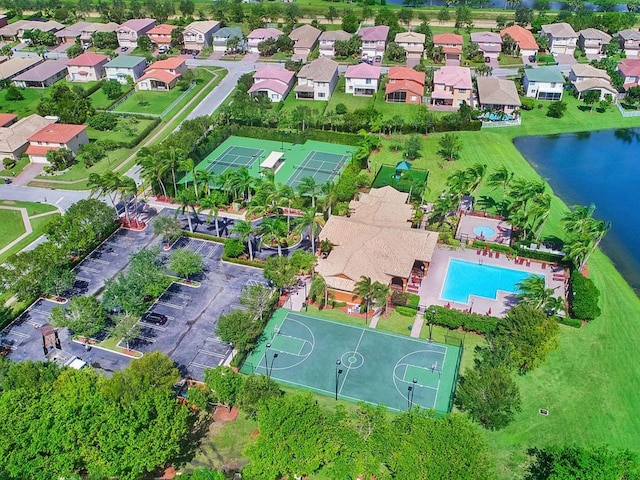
point(559, 30)
point(17, 135)
point(305, 36)
point(589, 71)
point(333, 35)
point(320, 70)
point(497, 91)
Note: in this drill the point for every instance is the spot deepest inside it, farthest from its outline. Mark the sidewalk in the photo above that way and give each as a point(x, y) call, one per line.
point(417, 326)
point(29, 173)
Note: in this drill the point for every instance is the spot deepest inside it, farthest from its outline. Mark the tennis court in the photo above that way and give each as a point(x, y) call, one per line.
point(321, 166)
point(356, 363)
point(232, 158)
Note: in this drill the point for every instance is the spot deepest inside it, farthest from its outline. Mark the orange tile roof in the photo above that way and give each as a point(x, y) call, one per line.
point(522, 36)
point(57, 133)
point(406, 73)
point(169, 64)
point(452, 50)
point(87, 59)
point(162, 75)
point(447, 38)
point(409, 85)
point(7, 118)
point(39, 150)
point(162, 29)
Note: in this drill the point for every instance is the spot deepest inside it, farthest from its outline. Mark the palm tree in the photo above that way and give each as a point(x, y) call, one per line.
point(501, 178)
point(309, 188)
point(127, 188)
point(172, 158)
point(152, 171)
point(554, 305)
point(585, 233)
point(213, 202)
point(107, 184)
point(533, 292)
point(274, 227)
point(475, 173)
point(540, 208)
point(286, 197)
point(245, 229)
point(363, 288)
point(188, 201)
point(187, 166)
point(380, 294)
point(206, 179)
point(328, 191)
point(309, 220)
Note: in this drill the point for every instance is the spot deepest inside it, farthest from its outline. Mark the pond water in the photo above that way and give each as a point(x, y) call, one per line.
point(602, 168)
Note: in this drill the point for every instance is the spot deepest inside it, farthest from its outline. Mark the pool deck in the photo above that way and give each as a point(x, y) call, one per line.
point(432, 284)
point(467, 224)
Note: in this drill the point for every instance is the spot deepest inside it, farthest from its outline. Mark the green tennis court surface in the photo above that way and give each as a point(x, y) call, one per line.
point(233, 158)
point(375, 367)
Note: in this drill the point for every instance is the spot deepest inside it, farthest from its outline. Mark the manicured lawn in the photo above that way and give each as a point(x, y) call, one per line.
point(32, 208)
point(12, 172)
point(27, 105)
point(12, 226)
point(100, 101)
point(149, 102)
point(291, 103)
point(126, 130)
point(390, 110)
point(509, 61)
point(350, 101)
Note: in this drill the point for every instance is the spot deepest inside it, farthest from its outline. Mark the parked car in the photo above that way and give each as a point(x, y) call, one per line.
point(163, 49)
point(124, 49)
point(154, 318)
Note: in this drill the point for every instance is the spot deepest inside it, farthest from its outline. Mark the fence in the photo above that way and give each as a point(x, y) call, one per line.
point(502, 123)
point(626, 113)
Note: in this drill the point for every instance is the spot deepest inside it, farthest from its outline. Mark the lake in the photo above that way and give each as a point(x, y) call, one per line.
point(602, 168)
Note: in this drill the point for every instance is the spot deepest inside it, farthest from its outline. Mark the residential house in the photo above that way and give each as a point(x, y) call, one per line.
point(489, 43)
point(162, 75)
point(629, 68)
point(585, 77)
point(273, 82)
point(130, 30)
point(199, 35)
point(527, 44)
point(91, 28)
point(305, 38)
point(69, 34)
point(544, 83)
point(316, 80)
point(497, 95)
point(374, 43)
point(362, 79)
point(412, 43)
point(42, 75)
point(14, 138)
point(593, 42)
point(16, 65)
point(54, 137)
point(87, 67)
point(15, 31)
point(375, 241)
point(161, 34)
point(260, 35)
point(3, 21)
point(7, 119)
point(404, 85)
point(629, 42)
point(451, 44)
point(329, 38)
point(452, 86)
point(222, 37)
point(562, 37)
point(125, 67)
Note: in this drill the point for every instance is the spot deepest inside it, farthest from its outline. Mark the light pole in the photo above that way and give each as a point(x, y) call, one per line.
point(266, 365)
point(273, 359)
point(412, 390)
point(432, 318)
point(338, 372)
point(366, 310)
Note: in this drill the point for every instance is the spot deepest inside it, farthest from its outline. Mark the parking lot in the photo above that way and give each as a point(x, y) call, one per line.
point(189, 334)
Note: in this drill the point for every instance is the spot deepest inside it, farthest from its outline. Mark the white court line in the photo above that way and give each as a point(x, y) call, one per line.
point(355, 350)
point(89, 269)
point(59, 200)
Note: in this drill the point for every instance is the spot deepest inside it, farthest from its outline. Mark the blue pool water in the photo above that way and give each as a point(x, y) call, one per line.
point(469, 278)
point(484, 231)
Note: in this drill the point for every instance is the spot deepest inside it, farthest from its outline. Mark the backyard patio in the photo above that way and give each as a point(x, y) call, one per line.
point(475, 226)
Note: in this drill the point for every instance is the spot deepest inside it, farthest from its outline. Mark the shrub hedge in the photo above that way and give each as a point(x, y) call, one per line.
point(571, 322)
point(583, 300)
point(141, 136)
point(413, 301)
point(299, 136)
point(406, 311)
point(243, 261)
point(506, 249)
point(94, 88)
point(454, 319)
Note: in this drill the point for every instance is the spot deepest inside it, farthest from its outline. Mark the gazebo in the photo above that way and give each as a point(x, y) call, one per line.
point(402, 166)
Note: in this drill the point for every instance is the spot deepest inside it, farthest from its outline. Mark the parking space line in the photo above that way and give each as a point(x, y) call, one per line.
point(200, 365)
point(33, 323)
point(43, 312)
point(148, 339)
point(97, 260)
point(89, 269)
point(170, 305)
point(151, 325)
point(83, 279)
point(18, 334)
point(212, 354)
point(178, 294)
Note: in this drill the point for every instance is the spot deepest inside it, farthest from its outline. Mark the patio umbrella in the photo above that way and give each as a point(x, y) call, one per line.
point(403, 167)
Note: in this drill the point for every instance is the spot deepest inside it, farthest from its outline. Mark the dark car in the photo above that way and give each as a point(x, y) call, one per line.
point(154, 318)
point(124, 49)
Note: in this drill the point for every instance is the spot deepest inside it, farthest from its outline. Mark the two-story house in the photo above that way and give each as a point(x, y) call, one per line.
point(497, 95)
point(272, 82)
point(404, 85)
point(328, 40)
point(452, 86)
point(544, 83)
point(130, 30)
point(305, 38)
point(362, 79)
point(161, 34)
point(42, 75)
point(629, 68)
point(629, 42)
point(451, 44)
point(91, 28)
point(162, 75)
point(260, 35)
point(125, 67)
point(412, 43)
point(316, 80)
point(86, 67)
point(70, 33)
point(15, 31)
point(222, 36)
point(489, 43)
point(593, 42)
point(374, 43)
point(14, 138)
point(562, 37)
point(585, 78)
point(527, 44)
point(199, 35)
point(54, 137)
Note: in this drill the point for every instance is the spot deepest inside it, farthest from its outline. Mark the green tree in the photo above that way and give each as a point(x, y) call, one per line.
point(274, 229)
point(70, 105)
point(532, 291)
point(584, 234)
point(258, 299)
point(127, 328)
point(188, 203)
point(405, 15)
point(84, 316)
point(450, 146)
point(245, 230)
point(225, 383)
point(256, 390)
point(60, 159)
point(332, 14)
point(57, 280)
point(556, 109)
point(144, 43)
point(240, 329)
point(13, 94)
point(412, 147)
point(104, 40)
point(168, 228)
point(396, 53)
point(501, 178)
point(279, 271)
point(350, 23)
point(309, 188)
point(185, 263)
point(112, 89)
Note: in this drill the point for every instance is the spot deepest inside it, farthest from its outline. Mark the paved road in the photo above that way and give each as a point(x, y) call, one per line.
point(61, 198)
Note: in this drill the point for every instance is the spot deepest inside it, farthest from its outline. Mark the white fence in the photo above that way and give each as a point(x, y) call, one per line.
point(627, 113)
point(501, 123)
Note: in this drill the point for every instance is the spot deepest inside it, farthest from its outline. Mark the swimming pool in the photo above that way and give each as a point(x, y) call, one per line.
point(484, 231)
point(470, 278)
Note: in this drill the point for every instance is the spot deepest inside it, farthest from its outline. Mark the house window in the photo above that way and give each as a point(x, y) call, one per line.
point(368, 81)
point(532, 83)
point(462, 90)
point(413, 98)
point(553, 85)
point(320, 94)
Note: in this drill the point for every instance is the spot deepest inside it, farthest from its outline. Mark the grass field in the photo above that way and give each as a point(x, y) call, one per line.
point(32, 97)
point(100, 101)
point(127, 129)
point(350, 101)
point(13, 227)
point(153, 103)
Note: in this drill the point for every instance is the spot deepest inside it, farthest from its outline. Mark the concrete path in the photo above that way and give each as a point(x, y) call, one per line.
point(27, 227)
point(27, 175)
point(417, 326)
point(62, 199)
point(373, 323)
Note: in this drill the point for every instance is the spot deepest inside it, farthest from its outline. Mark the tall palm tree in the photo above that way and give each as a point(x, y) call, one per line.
point(363, 288)
point(127, 188)
point(540, 209)
point(188, 166)
point(554, 305)
point(380, 294)
point(475, 173)
point(328, 192)
point(213, 202)
point(245, 229)
point(585, 233)
point(534, 292)
point(172, 157)
point(501, 179)
point(206, 180)
point(107, 184)
point(309, 188)
point(152, 171)
point(188, 202)
point(276, 228)
point(309, 220)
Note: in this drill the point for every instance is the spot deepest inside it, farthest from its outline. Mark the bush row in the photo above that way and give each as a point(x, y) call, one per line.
point(454, 319)
point(141, 136)
point(537, 254)
point(583, 299)
point(243, 261)
point(205, 236)
point(496, 247)
point(94, 88)
point(406, 311)
point(298, 136)
point(571, 322)
point(413, 300)
point(472, 126)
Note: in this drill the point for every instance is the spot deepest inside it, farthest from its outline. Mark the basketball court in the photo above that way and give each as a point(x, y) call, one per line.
point(356, 363)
